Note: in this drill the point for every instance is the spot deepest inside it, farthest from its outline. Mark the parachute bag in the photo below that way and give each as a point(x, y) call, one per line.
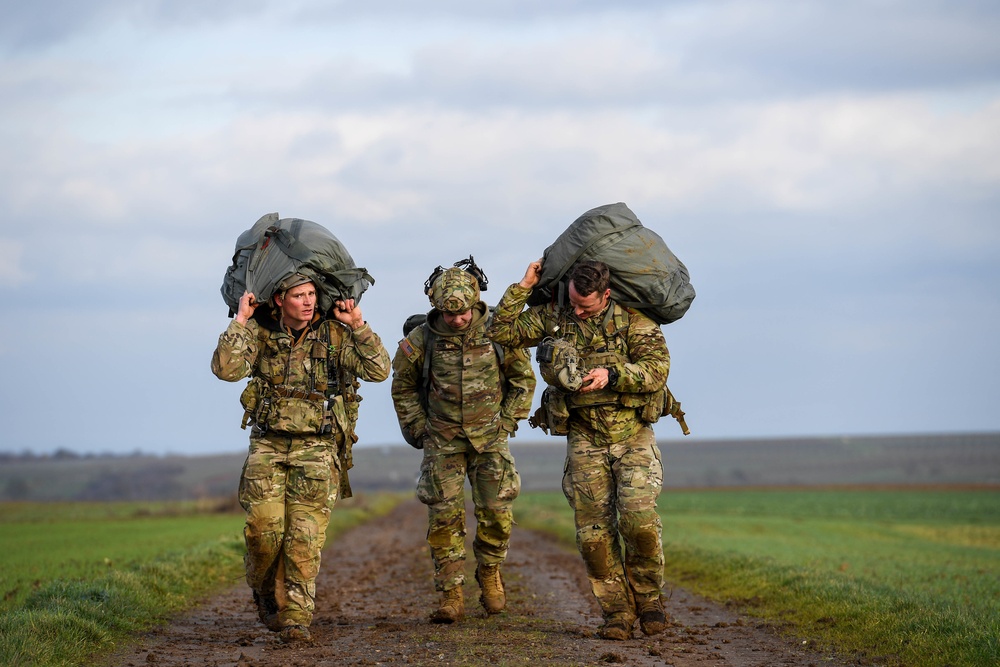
point(276, 248)
point(645, 274)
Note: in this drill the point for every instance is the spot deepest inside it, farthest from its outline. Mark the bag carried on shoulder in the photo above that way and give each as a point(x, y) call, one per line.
point(645, 274)
point(274, 249)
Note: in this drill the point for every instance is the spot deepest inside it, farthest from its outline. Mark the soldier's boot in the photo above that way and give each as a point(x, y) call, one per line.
point(295, 633)
point(652, 618)
point(452, 607)
point(267, 611)
point(493, 597)
point(617, 627)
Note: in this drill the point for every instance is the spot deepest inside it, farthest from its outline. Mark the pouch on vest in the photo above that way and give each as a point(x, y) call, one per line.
point(553, 415)
point(655, 406)
point(298, 416)
point(252, 400)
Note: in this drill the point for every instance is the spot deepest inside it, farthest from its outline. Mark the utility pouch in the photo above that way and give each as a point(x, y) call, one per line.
point(556, 411)
point(655, 406)
point(297, 416)
point(251, 399)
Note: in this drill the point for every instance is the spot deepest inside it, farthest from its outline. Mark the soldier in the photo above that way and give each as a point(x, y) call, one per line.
point(303, 371)
point(459, 397)
point(606, 384)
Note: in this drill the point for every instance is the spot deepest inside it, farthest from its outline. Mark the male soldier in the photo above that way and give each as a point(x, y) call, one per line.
point(613, 472)
point(303, 369)
point(458, 397)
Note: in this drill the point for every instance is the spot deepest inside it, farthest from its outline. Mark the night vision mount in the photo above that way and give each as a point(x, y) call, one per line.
point(468, 265)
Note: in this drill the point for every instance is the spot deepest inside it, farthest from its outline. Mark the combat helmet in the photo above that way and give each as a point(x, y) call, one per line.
point(559, 363)
point(456, 289)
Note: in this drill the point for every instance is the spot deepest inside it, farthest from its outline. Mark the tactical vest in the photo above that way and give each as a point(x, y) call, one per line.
point(280, 397)
point(607, 347)
point(478, 358)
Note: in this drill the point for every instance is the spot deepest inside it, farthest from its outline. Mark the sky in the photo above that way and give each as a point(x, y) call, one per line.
point(828, 173)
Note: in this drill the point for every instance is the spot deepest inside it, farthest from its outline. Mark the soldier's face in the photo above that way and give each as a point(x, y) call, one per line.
point(458, 320)
point(298, 305)
point(590, 305)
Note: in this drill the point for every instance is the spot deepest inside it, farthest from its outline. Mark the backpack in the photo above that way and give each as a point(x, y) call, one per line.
point(645, 274)
point(274, 249)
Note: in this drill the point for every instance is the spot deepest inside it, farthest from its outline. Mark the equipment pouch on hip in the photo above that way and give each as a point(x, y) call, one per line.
point(252, 400)
point(556, 411)
point(300, 416)
point(654, 406)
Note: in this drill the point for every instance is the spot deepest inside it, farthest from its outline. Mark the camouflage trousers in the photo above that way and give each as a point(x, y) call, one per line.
point(495, 484)
point(613, 490)
point(288, 487)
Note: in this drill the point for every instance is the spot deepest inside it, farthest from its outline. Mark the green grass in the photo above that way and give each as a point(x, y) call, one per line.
point(84, 541)
point(899, 577)
point(161, 558)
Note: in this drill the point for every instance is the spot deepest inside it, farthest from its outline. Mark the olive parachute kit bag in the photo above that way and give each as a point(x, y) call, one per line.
point(276, 248)
point(645, 274)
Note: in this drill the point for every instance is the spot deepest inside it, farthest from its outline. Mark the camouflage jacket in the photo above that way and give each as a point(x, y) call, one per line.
point(323, 363)
point(471, 394)
point(618, 338)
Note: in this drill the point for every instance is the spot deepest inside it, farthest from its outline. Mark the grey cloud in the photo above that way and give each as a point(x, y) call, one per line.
point(30, 26)
point(848, 46)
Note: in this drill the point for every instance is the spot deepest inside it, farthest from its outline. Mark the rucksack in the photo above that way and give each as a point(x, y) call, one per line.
point(645, 274)
point(274, 249)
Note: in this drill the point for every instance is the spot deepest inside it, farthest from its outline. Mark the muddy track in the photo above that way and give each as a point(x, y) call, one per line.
point(375, 594)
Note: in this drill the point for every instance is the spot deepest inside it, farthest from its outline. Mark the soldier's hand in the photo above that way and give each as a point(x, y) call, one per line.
point(532, 274)
point(594, 380)
point(347, 312)
point(248, 304)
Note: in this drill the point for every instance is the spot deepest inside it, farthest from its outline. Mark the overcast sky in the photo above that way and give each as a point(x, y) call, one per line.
point(828, 172)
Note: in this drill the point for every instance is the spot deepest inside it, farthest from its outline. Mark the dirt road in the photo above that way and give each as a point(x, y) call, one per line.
point(375, 594)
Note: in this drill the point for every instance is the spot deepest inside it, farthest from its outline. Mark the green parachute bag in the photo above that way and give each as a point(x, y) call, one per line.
point(645, 274)
point(275, 248)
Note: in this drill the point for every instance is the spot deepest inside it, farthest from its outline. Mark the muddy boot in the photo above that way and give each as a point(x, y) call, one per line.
point(295, 633)
point(490, 581)
point(267, 611)
point(617, 628)
point(652, 618)
point(452, 607)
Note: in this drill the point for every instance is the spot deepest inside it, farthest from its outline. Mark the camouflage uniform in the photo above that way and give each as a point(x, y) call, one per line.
point(613, 472)
point(473, 403)
point(302, 402)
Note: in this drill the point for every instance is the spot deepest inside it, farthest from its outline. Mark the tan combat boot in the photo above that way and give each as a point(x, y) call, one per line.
point(295, 633)
point(452, 607)
point(617, 627)
point(490, 581)
point(652, 618)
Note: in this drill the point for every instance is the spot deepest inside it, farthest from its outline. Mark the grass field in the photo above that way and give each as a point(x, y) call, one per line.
point(898, 577)
point(82, 577)
point(84, 541)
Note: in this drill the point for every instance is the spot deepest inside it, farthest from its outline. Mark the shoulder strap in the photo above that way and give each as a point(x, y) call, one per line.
point(501, 355)
point(430, 340)
point(262, 335)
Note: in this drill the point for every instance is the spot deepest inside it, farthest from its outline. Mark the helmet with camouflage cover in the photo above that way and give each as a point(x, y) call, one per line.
point(454, 290)
point(558, 360)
